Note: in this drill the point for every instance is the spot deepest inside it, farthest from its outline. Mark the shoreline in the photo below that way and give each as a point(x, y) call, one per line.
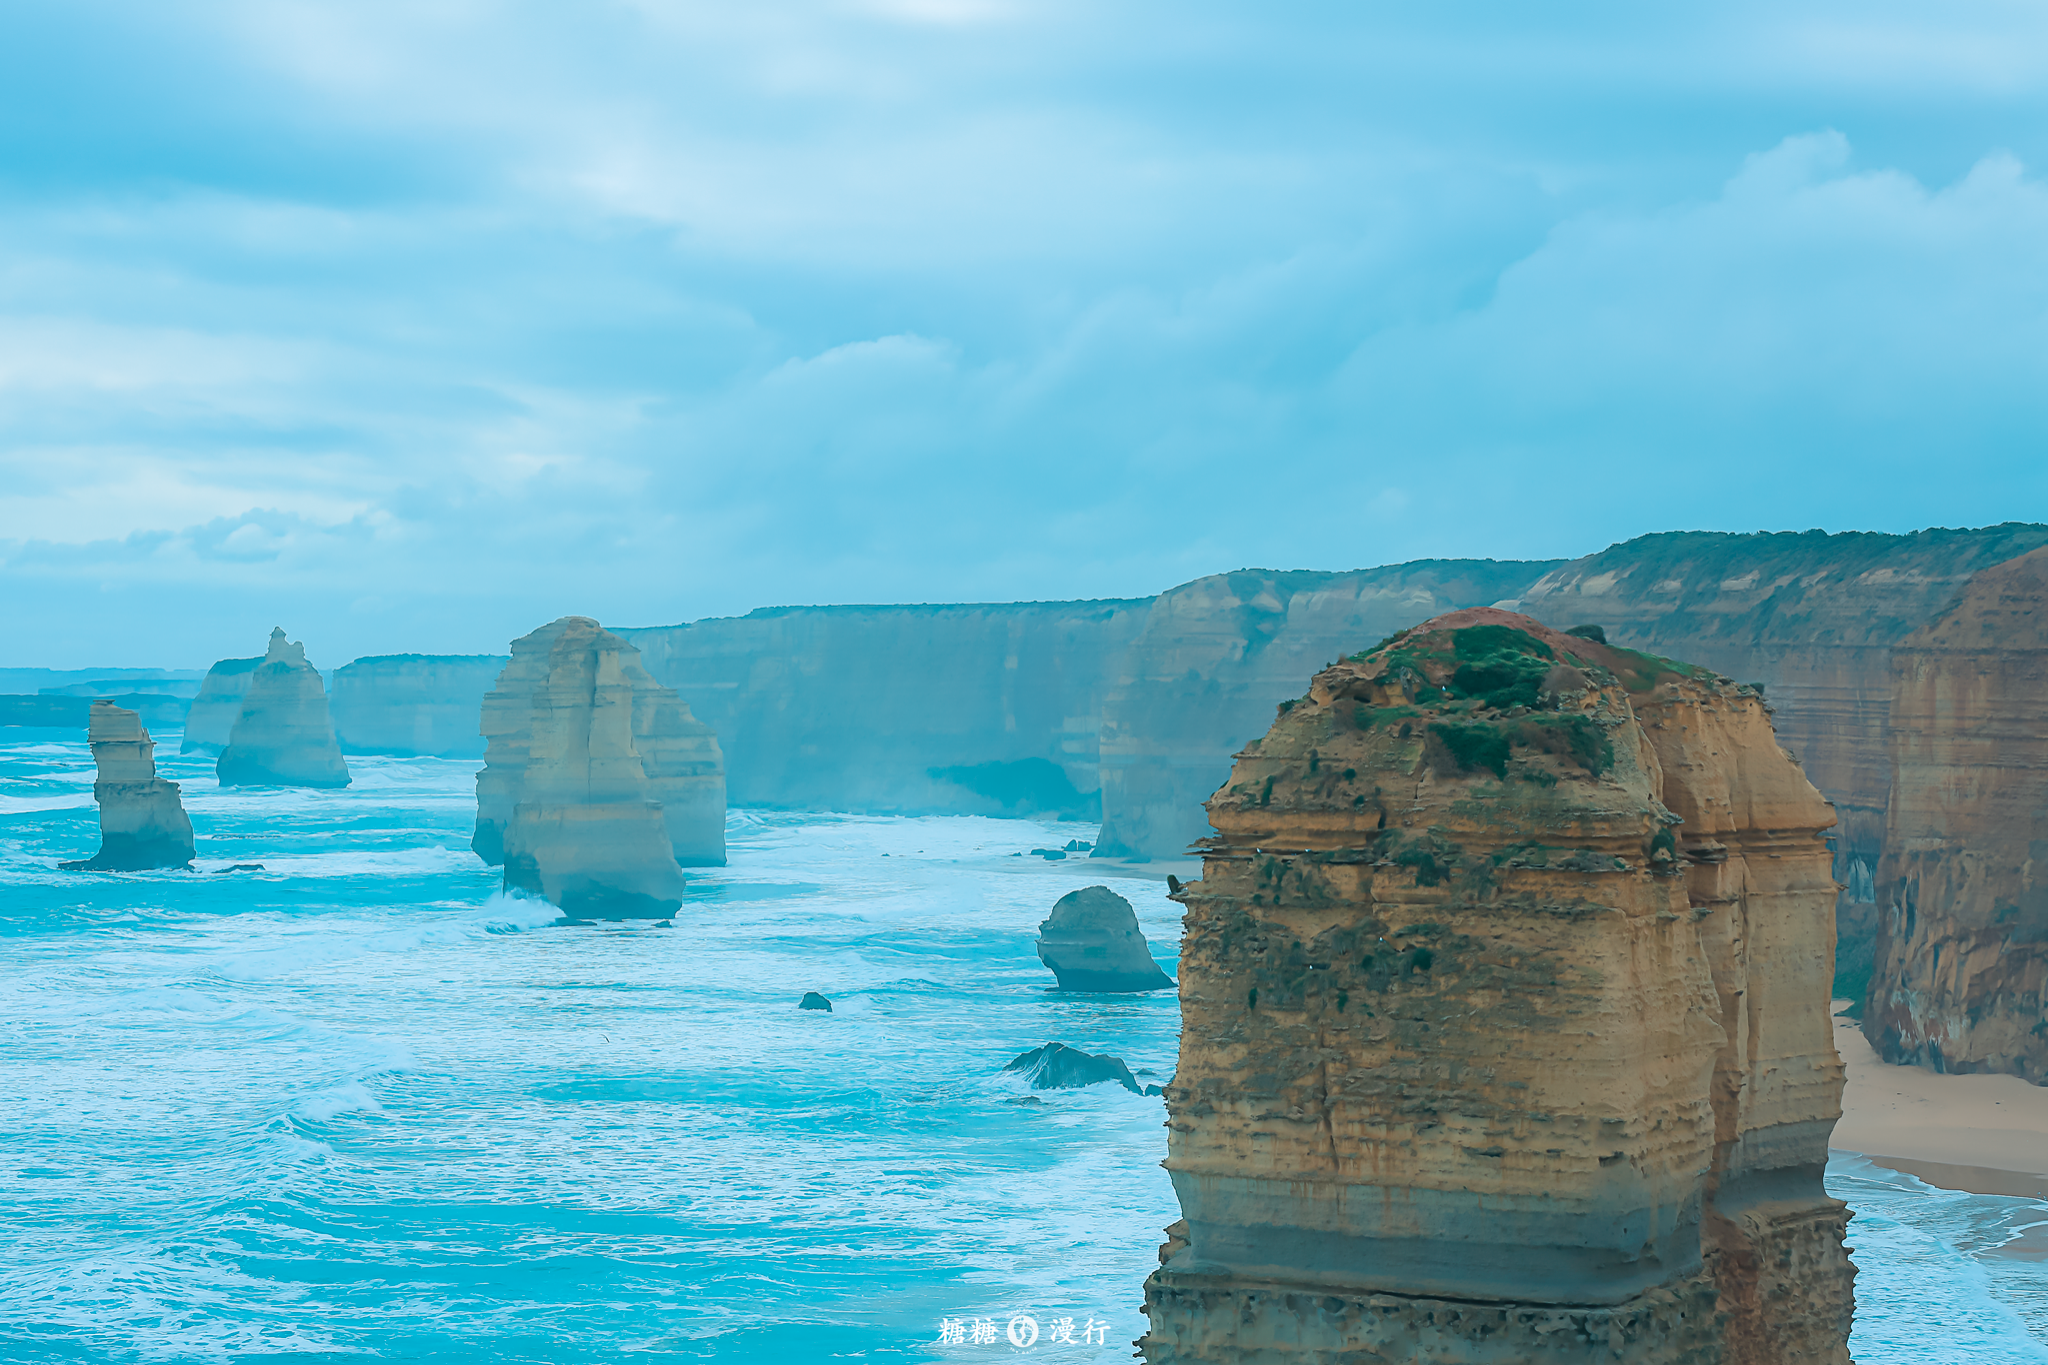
point(1981, 1134)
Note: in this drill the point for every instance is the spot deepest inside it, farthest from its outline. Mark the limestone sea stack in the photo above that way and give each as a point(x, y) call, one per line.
point(283, 737)
point(1960, 981)
point(586, 831)
point(1092, 943)
point(1505, 1023)
point(211, 721)
point(679, 755)
point(142, 821)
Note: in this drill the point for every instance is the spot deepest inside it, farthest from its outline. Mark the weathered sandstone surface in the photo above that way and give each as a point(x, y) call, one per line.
point(1092, 943)
point(1961, 976)
point(142, 821)
point(211, 721)
point(679, 756)
point(428, 704)
point(284, 736)
point(1505, 1036)
point(1217, 654)
point(972, 710)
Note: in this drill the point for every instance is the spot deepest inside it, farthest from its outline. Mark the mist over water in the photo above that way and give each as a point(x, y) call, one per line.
point(361, 1106)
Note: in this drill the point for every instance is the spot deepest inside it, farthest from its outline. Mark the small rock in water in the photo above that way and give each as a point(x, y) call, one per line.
point(814, 1001)
point(1024, 1099)
point(1049, 854)
point(1059, 1067)
point(239, 867)
point(1092, 943)
point(1077, 846)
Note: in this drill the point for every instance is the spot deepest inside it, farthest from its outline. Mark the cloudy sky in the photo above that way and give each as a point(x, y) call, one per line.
point(410, 326)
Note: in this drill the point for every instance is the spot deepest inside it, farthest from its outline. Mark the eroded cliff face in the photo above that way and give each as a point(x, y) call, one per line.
point(679, 756)
point(967, 709)
point(142, 819)
point(211, 721)
point(428, 704)
point(284, 736)
point(1961, 978)
point(1813, 618)
point(1504, 1000)
point(1216, 655)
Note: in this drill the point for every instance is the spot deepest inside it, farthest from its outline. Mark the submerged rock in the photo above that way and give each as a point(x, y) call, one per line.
point(814, 1001)
point(142, 821)
point(1059, 1067)
point(1501, 995)
point(585, 832)
point(283, 736)
point(1092, 943)
point(211, 721)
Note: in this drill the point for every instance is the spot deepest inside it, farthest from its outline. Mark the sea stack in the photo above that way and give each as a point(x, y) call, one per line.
point(679, 755)
point(1960, 981)
point(142, 821)
point(283, 736)
point(1505, 1031)
point(586, 832)
point(1092, 943)
point(211, 721)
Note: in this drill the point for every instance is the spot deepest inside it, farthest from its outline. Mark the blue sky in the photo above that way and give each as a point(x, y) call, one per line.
point(412, 326)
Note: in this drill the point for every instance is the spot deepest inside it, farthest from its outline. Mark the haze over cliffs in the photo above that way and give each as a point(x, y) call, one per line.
point(211, 721)
point(1960, 981)
point(1505, 1032)
point(142, 819)
point(413, 704)
point(283, 736)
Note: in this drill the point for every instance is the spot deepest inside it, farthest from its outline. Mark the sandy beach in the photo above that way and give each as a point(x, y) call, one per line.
point(1985, 1134)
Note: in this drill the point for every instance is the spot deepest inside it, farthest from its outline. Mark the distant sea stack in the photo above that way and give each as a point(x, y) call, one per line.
point(679, 755)
point(1961, 969)
point(1505, 1029)
point(211, 721)
point(1092, 943)
point(142, 821)
point(585, 830)
point(283, 737)
point(414, 704)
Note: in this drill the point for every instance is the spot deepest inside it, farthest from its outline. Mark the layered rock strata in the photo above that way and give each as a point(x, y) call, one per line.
point(1961, 964)
point(1092, 942)
point(142, 820)
point(414, 704)
point(1505, 1033)
point(680, 756)
point(283, 736)
point(211, 721)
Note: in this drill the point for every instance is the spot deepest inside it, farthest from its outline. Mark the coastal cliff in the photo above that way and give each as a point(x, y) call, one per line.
point(586, 832)
point(967, 709)
point(142, 819)
point(283, 736)
point(413, 704)
point(1217, 654)
point(1961, 975)
point(211, 721)
point(1504, 1035)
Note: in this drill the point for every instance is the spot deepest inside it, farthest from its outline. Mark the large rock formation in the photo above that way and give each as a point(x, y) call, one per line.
point(1505, 1027)
point(974, 710)
point(409, 704)
point(142, 822)
point(585, 830)
point(211, 721)
point(1092, 943)
point(1961, 978)
point(283, 737)
point(680, 756)
point(1217, 654)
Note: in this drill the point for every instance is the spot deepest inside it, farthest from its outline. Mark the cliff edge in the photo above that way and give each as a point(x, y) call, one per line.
point(142, 819)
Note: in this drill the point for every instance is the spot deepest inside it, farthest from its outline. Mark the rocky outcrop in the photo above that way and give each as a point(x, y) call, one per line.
point(283, 737)
point(1092, 943)
point(414, 704)
point(1059, 1067)
point(971, 710)
point(679, 755)
point(1217, 654)
point(211, 721)
point(1961, 963)
point(1505, 1033)
point(142, 821)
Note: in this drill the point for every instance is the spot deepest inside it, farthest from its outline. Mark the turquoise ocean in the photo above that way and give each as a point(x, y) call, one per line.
point(359, 1106)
